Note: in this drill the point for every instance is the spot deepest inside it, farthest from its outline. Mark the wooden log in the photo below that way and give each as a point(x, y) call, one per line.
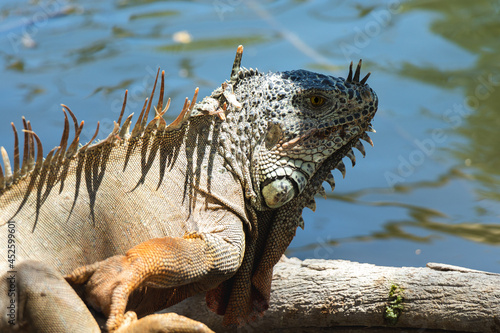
point(318, 295)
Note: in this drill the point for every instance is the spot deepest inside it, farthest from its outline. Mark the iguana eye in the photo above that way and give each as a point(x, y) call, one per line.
point(317, 100)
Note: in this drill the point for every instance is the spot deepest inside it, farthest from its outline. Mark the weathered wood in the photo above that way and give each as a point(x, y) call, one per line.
point(316, 295)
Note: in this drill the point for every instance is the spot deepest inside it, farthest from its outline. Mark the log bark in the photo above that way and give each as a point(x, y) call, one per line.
point(318, 295)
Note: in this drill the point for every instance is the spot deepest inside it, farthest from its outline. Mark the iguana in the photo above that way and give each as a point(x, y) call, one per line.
point(144, 219)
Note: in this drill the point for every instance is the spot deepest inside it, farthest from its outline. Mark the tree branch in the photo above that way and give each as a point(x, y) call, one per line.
point(313, 295)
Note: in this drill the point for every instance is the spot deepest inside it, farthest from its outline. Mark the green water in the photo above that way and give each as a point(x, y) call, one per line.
point(429, 189)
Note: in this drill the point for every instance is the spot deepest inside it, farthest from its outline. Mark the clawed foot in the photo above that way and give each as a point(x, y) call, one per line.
point(108, 285)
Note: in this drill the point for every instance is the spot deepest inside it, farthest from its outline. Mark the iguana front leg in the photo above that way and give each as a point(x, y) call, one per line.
point(201, 260)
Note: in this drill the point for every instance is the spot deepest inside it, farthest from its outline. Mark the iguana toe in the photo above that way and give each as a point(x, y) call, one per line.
point(108, 284)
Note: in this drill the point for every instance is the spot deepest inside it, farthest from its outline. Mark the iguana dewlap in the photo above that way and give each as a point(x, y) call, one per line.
point(155, 215)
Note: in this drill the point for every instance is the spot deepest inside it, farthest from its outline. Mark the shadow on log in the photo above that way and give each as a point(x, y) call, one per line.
point(318, 295)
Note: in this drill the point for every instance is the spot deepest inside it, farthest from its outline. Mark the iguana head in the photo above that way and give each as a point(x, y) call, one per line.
point(289, 123)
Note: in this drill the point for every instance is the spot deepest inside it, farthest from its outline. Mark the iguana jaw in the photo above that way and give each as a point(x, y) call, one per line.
point(292, 181)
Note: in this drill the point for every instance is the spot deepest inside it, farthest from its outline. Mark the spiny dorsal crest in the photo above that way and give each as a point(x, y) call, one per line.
point(61, 154)
point(42, 175)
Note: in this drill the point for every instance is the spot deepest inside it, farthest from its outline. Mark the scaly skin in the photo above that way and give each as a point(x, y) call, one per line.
point(210, 202)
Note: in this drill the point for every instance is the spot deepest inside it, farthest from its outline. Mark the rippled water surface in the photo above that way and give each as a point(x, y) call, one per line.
point(428, 191)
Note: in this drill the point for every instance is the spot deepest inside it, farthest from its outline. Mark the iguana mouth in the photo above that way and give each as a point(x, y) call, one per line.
point(318, 133)
point(331, 132)
point(324, 134)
